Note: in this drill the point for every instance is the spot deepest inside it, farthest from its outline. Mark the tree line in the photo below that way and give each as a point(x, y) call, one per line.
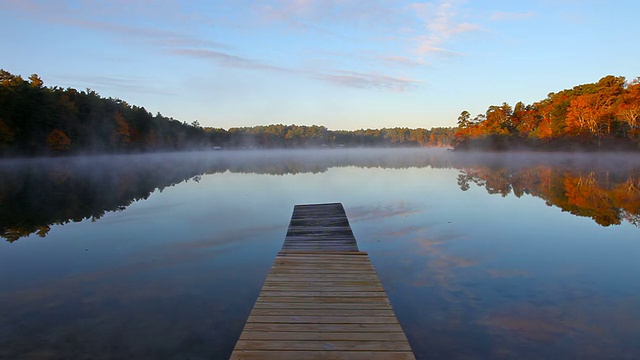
point(38, 120)
point(602, 115)
point(295, 136)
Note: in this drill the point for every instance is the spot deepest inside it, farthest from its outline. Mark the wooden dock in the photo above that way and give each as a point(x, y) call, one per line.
point(322, 298)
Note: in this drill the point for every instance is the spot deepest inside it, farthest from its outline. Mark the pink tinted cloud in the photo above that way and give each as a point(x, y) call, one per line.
point(368, 12)
point(440, 24)
point(370, 80)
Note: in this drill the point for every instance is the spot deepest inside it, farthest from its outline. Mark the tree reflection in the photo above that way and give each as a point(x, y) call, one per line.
point(37, 194)
point(606, 198)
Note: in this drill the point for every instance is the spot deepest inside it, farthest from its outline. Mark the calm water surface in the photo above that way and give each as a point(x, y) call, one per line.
point(162, 256)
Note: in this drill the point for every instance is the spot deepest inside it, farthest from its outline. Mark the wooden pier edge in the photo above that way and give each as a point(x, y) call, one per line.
point(322, 298)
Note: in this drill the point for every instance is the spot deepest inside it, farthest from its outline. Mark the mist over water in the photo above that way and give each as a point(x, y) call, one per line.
point(162, 256)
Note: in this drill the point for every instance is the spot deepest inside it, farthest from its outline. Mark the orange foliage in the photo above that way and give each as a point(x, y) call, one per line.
point(58, 141)
point(123, 133)
point(607, 109)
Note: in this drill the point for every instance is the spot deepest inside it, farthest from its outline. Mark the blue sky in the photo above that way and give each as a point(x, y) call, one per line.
point(345, 64)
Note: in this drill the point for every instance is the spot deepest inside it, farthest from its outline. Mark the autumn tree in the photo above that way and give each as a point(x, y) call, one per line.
point(36, 81)
point(628, 111)
point(525, 119)
point(498, 119)
point(123, 131)
point(58, 141)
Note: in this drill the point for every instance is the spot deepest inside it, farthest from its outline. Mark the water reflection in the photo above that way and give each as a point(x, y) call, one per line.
point(47, 192)
point(607, 197)
point(488, 272)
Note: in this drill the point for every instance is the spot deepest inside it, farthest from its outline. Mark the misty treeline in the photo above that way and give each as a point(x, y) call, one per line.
point(39, 120)
point(602, 115)
point(294, 136)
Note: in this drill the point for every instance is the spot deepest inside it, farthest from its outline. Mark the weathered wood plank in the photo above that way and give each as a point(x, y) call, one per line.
point(323, 319)
point(323, 312)
point(327, 253)
point(299, 327)
point(301, 261)
point(323, 336)
point(324, 299)
point(326, 261)
point(322, 294)
point(321, 271)
point(322, 355)
point(320, 238)
point(311, 287)
point(342, 256)
point(300, 282)
point(351, 345)
point(320, 281)
point(319, 278)
point(321, 306)
point(296, 264)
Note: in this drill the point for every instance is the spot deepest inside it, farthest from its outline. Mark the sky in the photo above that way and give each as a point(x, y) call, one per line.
point(344, 64)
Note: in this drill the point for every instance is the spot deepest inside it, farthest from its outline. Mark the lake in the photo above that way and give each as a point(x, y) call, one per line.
point(520, 256)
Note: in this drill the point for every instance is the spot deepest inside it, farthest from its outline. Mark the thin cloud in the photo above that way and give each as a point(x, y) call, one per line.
point(512, 16)
point(370, 80)
point(111, 82)
point(429, 45)
point(402, 61)
point(440, 22)
point(81, 17)
point(228, 60)
point(342, 78)
point(152, 36)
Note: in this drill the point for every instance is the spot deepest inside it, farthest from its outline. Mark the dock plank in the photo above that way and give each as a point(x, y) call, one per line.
point(350, 345)
point(322, 355)
point(324, 336)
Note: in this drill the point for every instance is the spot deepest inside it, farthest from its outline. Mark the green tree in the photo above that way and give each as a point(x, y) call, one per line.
point(6, 134)
point(464, 120)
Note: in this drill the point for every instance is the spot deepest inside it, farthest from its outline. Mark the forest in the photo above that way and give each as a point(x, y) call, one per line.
point(603, 115)
point(37, 120)
point(294, 136)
